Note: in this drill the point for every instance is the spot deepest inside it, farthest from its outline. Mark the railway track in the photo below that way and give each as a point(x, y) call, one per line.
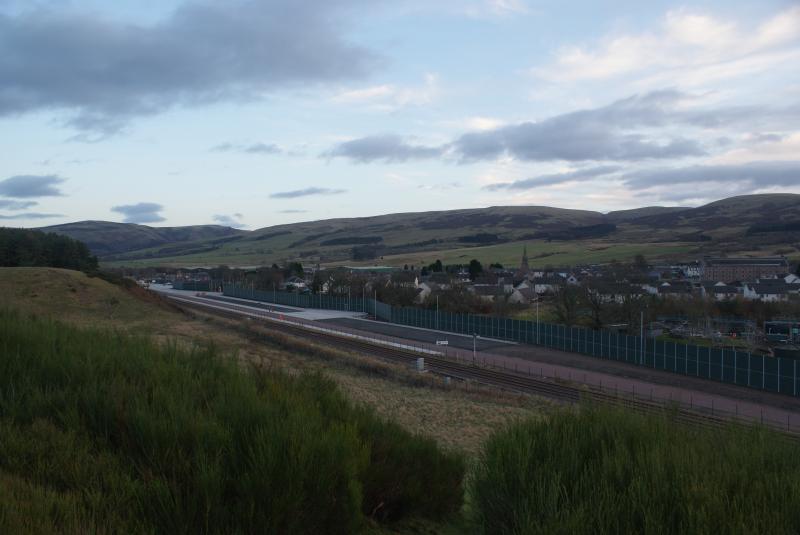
point(559, 391)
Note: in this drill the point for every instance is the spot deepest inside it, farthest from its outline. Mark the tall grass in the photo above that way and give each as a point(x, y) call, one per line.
point(601, 470)
point(101, 432)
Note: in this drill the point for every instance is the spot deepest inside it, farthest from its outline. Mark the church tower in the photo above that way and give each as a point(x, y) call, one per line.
point(524, 266)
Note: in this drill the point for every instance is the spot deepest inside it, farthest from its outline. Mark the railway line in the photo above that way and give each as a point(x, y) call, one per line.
point(557, 390)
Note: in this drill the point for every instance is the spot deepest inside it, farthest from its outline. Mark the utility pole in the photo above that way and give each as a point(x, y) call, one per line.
point(474, 344)
point(437, 312)
point(537, 319)
point(641, 336)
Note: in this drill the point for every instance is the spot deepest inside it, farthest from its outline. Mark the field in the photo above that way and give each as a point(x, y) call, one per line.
point(540, 253)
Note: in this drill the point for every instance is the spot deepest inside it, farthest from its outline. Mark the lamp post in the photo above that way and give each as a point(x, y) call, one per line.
point(474, 343)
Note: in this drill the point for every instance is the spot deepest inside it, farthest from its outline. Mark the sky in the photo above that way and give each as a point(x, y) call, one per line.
point(255, 113)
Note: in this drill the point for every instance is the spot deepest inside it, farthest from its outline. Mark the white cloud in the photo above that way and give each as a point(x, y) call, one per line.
point(481, 9)
point(689, 49)
point(783, 149)
point(389, 97)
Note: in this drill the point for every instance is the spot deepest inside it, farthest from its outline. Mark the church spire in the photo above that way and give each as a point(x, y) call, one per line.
point(524, 266)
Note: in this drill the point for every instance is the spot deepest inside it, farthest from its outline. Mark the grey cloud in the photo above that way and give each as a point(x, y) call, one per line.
point(306, 193)
point(255, 148)
point(754, 175)
point(143, 212)
point(555, 178)
point(107, 71)
point(16, 205)
point(30, 215)
point(767, 138)
point(387, 148)
point(292, 211)
point(597, 134)
point(233, 220)
point(31, 186)
point(263, 148)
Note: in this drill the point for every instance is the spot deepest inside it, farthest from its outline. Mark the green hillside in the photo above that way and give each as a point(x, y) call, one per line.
point(106, 238)
point(757, 224)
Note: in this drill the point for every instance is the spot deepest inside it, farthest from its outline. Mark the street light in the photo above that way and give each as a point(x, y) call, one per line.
point(474, 343)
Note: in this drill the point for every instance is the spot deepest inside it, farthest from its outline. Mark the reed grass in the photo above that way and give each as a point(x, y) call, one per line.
point(102, 432)
point(602, 470)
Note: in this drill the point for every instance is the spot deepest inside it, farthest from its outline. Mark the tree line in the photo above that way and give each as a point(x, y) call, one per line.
point(28, 248)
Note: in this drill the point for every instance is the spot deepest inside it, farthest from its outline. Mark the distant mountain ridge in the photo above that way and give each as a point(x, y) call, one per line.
point(734, 224)
point(106, 238)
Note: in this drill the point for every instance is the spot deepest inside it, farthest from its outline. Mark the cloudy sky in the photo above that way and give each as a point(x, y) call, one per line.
point(255, 113)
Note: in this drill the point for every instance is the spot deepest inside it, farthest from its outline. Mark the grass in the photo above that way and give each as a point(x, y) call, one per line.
point(84, 300)
point(540, 253)
point(458, 419)
point(107, 433)
point(601, 470)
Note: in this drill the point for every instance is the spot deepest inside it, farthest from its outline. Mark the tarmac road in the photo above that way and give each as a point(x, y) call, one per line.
point(419, 335)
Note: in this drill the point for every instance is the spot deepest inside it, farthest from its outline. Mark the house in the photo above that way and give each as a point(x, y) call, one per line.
point(791, 279)
point(747, 269)
point(488, 292)
point(615, 292)
point(769, 292)
point(522, 296)
point(675, 289)
point(426, 288)
point(718, 291)
point(294, 283)
point(547, 285)
point(693, 270)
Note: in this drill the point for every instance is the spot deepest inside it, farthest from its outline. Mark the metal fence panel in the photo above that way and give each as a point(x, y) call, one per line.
point(725, 365)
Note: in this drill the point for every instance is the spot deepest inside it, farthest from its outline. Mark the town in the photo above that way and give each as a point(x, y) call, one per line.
point(752, 303)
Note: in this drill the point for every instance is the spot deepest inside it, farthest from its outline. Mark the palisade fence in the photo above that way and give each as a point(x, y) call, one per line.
point(727, 365)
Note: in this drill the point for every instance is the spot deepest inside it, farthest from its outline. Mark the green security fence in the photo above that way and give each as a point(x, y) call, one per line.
point(326, 302)
point(780, 375)
point(195, 286)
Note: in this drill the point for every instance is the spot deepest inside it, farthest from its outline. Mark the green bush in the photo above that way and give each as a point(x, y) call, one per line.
point(601, 470)
point(117, 434)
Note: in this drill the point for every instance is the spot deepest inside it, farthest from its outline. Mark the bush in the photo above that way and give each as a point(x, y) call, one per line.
point(114, 434)
point(608, 471)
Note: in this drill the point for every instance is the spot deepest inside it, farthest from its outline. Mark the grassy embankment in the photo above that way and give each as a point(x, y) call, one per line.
point(573, 472)
point(110, 433)
point(608, 471)
point(459, 420)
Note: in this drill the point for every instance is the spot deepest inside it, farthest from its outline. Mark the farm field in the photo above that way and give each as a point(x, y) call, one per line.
point(540, 252)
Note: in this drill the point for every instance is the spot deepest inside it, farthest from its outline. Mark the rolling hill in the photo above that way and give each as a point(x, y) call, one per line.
point(105, 238)
point(756, 224)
